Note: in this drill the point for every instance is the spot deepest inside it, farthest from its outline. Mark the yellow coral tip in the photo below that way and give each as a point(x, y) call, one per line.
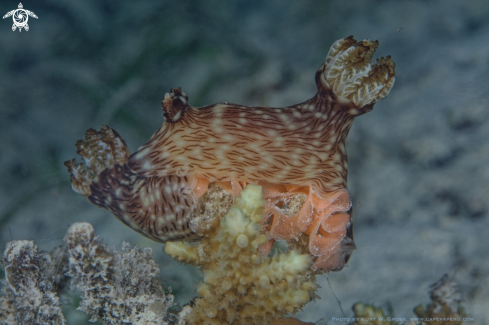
point(242, 241)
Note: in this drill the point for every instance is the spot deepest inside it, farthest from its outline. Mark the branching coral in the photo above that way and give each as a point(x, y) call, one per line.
point(296, 153)
point(32, 298)
point(7, 306)
point(370, 315)
point(445, 306)
point(240, 285)
point(116, 287)
point(445, 309)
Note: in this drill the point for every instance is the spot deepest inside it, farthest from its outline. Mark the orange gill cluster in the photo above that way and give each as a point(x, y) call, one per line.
point(297, 154)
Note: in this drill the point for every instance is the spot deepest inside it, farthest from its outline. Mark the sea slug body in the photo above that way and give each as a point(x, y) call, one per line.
point(296, 153)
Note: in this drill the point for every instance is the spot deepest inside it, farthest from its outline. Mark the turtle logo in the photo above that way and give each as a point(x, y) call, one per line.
point(20, 17)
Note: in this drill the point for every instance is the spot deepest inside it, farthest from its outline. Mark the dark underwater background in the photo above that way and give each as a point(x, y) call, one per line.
point(419, 162)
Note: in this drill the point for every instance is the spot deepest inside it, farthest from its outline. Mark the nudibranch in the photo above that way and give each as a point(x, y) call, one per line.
point(296, 153)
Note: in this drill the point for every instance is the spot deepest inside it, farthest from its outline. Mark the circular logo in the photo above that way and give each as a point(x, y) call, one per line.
point(20, 18)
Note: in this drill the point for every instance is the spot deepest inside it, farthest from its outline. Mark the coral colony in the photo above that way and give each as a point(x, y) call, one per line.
point(219, 185)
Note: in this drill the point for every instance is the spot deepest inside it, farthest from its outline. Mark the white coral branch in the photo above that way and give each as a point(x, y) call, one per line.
point(116, 287)
point(32, 298)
